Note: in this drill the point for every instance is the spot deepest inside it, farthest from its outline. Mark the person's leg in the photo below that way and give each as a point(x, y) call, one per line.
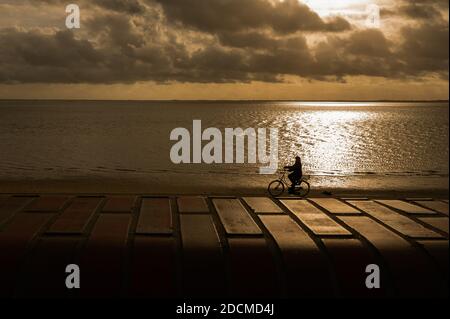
point(292, 178)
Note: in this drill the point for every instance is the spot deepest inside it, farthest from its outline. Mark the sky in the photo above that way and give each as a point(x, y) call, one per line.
point(225, 49)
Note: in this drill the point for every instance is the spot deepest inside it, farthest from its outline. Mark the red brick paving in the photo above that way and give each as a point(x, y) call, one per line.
point(76, 217)
point(203, 261)
point(307, 273)
point(155, 217)
point(413, 274)
point(48, 204)
point(15, 239)
point(255, 274)
point(43, 273)
point(144, 247)
point(192, 204)
point(399, 222)
point(437, 206)
point(103, 258)
point(315, 219)
point(120, 204)
point(351, 276)
point(235, 218)
point(153, 267)
point(10, 205)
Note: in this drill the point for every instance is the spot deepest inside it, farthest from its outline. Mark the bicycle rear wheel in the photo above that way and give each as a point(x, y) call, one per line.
point(276, 188)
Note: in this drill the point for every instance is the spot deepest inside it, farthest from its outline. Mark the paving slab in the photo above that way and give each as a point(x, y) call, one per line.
point(15, 238)
point(403, 260)
point(400, 223)
point(120, 204)
point(307, 272)
point(405, 207)
point(335, 206)
point(203, 262)
point(263, 205)
point(413, 199)
point(315, 219)
point(253, 270)
point(76, 216)
point(440, 223)
point(235, 217)
point(350, 258)
point(153, 267)
point(103, 257)
point(192, 204)
point(3, 198)
point(155, 217)
point(435, 205)
point(294, 254)
point(12, 205)
point(44, 276)
point(48, 203)
point(438, 249)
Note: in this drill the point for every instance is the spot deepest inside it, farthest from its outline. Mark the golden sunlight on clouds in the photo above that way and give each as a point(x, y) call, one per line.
point(344, 7)
point(234, 49)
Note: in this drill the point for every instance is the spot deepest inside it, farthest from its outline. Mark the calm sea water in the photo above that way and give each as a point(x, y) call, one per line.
point(64, 139)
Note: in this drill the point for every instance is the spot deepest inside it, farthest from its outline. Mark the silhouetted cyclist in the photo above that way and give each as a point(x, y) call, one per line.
point(296, 174)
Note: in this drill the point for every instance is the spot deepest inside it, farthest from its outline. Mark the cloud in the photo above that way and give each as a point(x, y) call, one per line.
point(425, 11)
point(425, 48)
point(218, 41)
point(128, 6)
point(284, 17)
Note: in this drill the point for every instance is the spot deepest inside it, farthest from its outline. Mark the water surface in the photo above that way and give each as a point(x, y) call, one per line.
point(103, 139)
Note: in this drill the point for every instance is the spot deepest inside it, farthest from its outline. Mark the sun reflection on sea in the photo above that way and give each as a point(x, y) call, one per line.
point(327, 140)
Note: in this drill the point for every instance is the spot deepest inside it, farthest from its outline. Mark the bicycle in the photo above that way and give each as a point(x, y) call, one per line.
point(278, 186)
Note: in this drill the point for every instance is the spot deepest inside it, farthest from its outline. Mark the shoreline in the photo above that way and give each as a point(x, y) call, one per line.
point(203, 185)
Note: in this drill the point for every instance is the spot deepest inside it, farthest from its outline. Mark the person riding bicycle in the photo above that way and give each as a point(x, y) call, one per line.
point(296, 174)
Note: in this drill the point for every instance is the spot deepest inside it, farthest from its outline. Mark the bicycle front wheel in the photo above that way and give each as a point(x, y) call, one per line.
point(276, 188)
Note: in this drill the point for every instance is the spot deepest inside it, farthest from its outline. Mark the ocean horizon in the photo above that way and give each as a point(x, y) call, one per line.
point(367, 143)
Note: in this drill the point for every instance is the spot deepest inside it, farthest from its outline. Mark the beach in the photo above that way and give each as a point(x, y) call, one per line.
point(435, 187)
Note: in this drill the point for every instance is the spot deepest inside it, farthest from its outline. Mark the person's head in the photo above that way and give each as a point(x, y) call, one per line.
point(297, 159)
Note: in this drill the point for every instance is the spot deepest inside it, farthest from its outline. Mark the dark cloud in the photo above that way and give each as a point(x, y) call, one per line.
point(122, 6)
point(128, 6)
point(288, 16)
point(425, 48)
point(119, 30)
point(425, 11)
point(370, 42)
point(218, 41)
point(418, 10)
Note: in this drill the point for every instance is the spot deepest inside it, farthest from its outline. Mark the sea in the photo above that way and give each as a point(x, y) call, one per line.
point(342, 144)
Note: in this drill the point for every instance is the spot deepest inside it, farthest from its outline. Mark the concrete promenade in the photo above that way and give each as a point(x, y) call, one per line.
point(207, 246)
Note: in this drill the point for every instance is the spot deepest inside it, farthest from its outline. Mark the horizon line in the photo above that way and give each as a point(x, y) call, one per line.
point(230, 100)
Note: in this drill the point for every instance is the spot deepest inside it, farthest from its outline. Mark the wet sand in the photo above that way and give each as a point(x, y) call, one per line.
point(436, 187)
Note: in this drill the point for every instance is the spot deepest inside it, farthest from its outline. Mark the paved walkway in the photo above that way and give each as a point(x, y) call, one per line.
point(196, 246)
